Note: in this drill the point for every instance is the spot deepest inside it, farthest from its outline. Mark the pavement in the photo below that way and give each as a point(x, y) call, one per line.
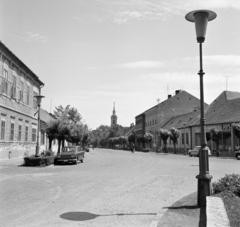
point(183, 213)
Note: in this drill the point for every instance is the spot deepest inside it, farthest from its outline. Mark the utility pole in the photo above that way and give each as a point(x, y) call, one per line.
point(227, 82)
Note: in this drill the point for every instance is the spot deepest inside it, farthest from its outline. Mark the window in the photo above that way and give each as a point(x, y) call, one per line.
point(26, 133)
point(34, 100)
point(13, 92)
point(28, 95)
point(187, 140)
point(34, 133)
point(12, 132)
point(42, 138)
point(183, 138)
point(5, 73)
point(5, 78)
point(3, 125)
point(21, 90)
point(19, 132)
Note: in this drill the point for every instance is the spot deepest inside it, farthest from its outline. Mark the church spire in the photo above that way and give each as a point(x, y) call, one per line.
point(114, 112)
point(114, 116)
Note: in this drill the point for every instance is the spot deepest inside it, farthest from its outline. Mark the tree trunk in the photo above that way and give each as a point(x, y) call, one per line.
point(50, 144)
point(63, 143)
point(175, 150)
point(59, 146)
point(165, 146)
point(217, 144)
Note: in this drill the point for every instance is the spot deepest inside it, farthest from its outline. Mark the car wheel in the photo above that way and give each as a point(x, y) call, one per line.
point(238, 156)
point(76, 162)
point(55, 162)
point(81, 160)
point(190, 155)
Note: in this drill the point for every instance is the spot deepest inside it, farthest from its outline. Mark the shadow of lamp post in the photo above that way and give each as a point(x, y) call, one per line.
point(201, 18)
point(39, 100)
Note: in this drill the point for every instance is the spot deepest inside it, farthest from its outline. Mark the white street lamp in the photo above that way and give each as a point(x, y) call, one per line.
point(39, 100)
point(201, 18)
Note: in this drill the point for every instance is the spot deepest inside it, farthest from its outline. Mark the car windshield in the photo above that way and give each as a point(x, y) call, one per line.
point(68, 149)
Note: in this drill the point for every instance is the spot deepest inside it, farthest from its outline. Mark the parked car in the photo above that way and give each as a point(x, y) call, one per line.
point(237, 155)
point(70, 154)
point(195, 151)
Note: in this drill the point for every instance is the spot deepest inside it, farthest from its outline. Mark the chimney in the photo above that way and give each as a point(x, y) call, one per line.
point(176, 92)
point(169, 96)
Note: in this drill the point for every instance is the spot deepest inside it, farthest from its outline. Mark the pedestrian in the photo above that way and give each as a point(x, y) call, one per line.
point(133, 147)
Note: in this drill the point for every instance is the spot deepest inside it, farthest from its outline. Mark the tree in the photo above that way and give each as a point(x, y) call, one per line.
point(52, 131)
point(69, 113)
point(174, 135)
point(148, 137)
point(64, 132)
point(132, 138)
point(164, 136)
point(236, 129)
point(76, 134)
point(215, 136)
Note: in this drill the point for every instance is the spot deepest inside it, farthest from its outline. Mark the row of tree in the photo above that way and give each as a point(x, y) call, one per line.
point(67, 126)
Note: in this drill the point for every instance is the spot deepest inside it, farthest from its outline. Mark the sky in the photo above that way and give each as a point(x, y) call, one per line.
point(92, 53)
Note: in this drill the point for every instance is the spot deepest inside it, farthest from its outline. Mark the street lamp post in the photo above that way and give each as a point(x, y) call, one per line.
point(184, 125)
point(201, 18)
point(39, 100)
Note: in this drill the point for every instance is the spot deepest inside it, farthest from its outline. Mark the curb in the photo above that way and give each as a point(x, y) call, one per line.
point(216, 212)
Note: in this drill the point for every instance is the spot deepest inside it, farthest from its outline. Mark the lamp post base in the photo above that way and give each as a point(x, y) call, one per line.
point(204, 189)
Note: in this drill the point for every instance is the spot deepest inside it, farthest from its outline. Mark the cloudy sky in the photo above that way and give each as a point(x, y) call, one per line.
point(90, 53)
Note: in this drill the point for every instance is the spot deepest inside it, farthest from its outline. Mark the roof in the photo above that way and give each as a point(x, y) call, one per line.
point(224, 109)
point(21, 63)
point(180, 120)
point(127, 133)
point(45, 116)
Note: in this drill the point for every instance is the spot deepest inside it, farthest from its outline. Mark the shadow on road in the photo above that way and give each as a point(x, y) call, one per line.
point(85, 216)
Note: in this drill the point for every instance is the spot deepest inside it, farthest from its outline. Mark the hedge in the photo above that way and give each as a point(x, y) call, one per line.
point(39, 161)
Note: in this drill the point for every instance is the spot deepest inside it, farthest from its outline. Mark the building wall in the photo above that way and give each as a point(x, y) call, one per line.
point(140, 125)
point(18, 85)
point(151, 124)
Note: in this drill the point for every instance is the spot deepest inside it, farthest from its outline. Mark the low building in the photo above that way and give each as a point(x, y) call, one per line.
point(157, 116)
point(220, 114)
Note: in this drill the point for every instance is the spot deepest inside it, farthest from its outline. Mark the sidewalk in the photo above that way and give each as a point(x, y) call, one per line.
point(185, 213)
point(11, 161)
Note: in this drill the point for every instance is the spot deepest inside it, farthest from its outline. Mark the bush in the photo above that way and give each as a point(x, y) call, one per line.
point(39, 161)
point(229, 184)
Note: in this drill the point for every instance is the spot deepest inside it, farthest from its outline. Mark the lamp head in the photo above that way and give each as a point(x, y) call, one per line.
point(201, 18)
point(39, 99)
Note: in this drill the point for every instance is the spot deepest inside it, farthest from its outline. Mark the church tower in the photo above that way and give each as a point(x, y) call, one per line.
point(114, 116)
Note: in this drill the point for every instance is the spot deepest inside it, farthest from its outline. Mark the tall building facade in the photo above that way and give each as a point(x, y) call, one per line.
point(18, 106)
point(114, 116)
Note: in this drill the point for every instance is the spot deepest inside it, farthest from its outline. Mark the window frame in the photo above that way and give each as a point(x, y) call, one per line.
point(12, 130)
point(26, 133)
point(34, 134)
point(20, 132)
point(3, 132)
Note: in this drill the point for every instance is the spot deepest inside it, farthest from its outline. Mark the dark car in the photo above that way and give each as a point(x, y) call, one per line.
point(70, 154)
point(237, 155)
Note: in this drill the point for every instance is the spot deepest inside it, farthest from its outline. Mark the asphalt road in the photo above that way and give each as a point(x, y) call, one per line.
point(111, 188)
